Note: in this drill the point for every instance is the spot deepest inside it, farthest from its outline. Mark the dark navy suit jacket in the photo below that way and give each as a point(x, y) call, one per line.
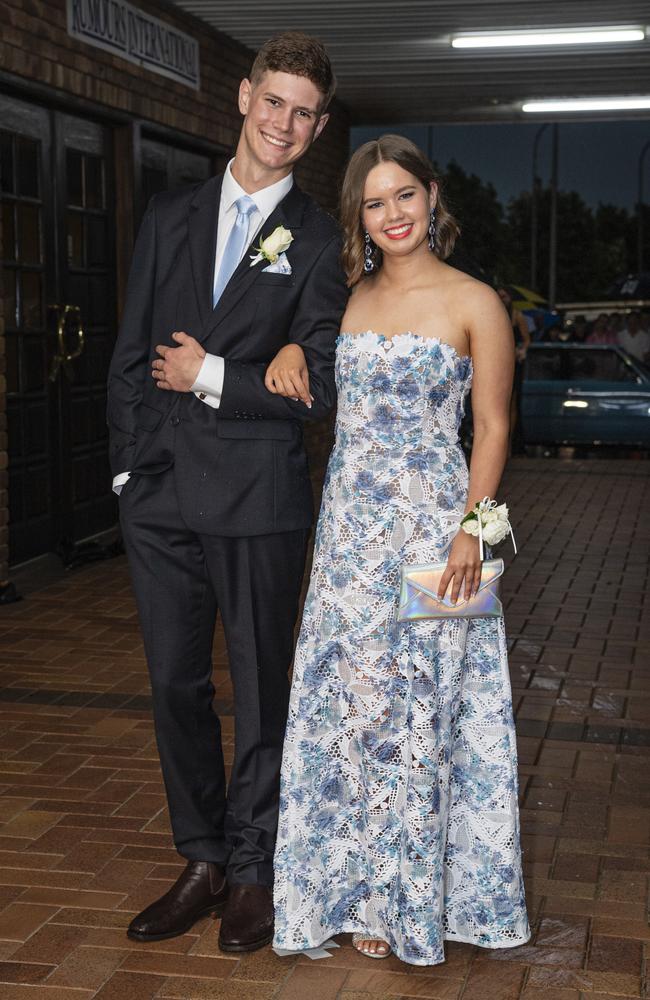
point(240, 469)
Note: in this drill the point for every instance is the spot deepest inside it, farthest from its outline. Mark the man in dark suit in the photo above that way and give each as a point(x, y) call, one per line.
point(215, 501)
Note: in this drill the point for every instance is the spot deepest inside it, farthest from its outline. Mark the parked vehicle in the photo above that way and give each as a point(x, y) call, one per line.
point(585, 394)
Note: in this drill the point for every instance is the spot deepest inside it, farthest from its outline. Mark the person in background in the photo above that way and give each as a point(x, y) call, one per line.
point(538, 330)
point(522, 343)
point(634, 339)
point(578, 331)
point(616, 324)
point(553, 334)
point(645, 319)
point(601, 332)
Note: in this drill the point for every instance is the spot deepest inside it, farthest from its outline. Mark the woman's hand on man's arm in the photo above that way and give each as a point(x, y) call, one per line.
point(287, 375)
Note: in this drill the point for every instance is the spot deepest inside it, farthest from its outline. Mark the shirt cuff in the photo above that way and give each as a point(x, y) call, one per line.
point(118, 482)
point(209, 382)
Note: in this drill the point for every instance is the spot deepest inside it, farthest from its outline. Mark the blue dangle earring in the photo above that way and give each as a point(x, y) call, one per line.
point(368, 251)
point(432, 231)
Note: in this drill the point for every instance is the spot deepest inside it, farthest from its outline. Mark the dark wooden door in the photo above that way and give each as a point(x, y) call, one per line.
point(86, 255)
point(59, 310)
point(165, 166)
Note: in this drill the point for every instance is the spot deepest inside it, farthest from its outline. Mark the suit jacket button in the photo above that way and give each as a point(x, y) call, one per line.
point(175, 421)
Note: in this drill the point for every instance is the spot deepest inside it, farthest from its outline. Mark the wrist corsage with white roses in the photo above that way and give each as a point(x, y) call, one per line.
point(489, 521)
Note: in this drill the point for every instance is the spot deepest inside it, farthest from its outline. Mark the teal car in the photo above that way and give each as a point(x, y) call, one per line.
point(584, 394)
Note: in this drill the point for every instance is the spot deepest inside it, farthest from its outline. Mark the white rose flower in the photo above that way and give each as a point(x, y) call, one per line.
point(495, 525)
point(495, 531)
point(275, 244)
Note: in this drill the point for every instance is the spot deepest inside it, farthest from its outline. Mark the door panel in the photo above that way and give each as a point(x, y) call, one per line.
point(58, 284)
point(88, 281)
point(27, 259)
point(165, 166)
point(57, 251)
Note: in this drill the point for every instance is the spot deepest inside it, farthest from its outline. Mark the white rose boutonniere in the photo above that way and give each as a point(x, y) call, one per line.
point(275, 244)
point(490, 522)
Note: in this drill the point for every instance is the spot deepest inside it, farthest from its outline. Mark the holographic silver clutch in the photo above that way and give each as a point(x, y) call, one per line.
point(419, 594)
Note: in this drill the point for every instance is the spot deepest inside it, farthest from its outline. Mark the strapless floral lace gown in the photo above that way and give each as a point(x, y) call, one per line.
point(398, 813)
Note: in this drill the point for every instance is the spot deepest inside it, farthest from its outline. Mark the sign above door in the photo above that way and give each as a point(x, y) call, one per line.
point(133, 34)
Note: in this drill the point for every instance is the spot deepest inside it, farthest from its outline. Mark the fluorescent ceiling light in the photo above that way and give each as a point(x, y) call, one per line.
point(587, 36)
point(588, 104)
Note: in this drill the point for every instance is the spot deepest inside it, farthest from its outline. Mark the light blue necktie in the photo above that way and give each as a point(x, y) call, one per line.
point(235, 246)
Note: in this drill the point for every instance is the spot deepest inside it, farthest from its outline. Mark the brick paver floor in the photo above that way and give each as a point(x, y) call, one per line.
point(84, 840)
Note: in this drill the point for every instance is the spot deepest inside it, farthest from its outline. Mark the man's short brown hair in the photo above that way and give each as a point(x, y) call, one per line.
point(299, 54)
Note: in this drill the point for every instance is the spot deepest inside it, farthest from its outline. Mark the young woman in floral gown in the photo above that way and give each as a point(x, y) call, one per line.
point(399, 818)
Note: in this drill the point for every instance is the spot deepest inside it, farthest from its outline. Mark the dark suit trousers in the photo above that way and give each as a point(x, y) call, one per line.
point(181, 579)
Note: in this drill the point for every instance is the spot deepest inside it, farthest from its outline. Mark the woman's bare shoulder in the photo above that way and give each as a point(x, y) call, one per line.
point(473, 298)
point(465, 285)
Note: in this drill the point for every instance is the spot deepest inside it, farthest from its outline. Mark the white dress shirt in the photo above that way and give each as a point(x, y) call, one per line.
point(209, 382)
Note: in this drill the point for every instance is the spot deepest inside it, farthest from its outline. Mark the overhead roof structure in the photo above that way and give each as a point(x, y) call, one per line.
point(394, 60)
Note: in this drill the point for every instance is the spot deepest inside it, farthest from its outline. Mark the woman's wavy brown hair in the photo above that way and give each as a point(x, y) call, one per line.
point(387, 149)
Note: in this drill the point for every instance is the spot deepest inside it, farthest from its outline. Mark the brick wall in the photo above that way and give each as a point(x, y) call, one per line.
point(35, 46)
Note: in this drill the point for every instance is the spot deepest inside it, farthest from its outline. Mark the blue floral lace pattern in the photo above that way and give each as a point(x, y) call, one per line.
point(398, 813)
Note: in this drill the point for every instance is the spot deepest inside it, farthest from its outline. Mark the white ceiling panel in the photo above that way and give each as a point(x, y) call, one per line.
point(394, 61)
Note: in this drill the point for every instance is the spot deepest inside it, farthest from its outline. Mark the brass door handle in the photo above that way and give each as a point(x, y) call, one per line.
point(63, 357)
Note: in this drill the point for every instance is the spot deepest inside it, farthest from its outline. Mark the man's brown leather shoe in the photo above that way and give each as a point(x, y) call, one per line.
point(247, 922)
point(201, 890)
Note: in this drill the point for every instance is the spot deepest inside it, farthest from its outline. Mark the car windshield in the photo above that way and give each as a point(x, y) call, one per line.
point(579, 364)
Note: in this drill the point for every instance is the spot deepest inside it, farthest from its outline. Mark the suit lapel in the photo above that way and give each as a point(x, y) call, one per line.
point(203, 218)
point(289, 214)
